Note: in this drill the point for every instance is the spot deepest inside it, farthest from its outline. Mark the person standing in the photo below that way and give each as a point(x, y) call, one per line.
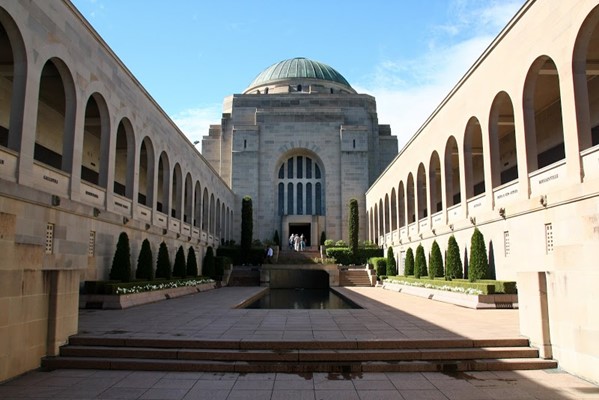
point(269, 254)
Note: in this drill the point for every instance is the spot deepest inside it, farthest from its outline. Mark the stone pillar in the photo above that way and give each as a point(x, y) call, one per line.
point(63, 308)
point(534, 312)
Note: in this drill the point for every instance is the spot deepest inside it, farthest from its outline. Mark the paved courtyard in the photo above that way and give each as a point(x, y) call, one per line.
point(211, 315)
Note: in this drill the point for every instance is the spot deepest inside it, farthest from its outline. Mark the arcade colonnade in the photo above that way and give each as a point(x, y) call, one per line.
point(514, 150)
point(85, 153)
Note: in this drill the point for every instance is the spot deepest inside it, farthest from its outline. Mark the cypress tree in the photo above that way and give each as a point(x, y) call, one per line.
point(435, 267)
point(208, 265)
point(354, 228)
point(453, 262)
point(479, 264)
point(409, 267)
point(391, 264)
point(145, 262)
point(180, 268)
point(163, 263)
point(323, 238)
point(121, 262)
point(420, 263)
point(276, 239)
point(192, 264)
point(247, 227)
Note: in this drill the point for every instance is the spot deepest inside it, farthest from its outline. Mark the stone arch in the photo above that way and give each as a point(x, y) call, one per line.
point(124, 159)
point(386, 214)
point(146, 173)
point(401, 201)
point(177, 192)
point(421, 190)
point(197, 205)
point(452, 173)
point(96, 138)
point(188, 199)
point(474, 165)
point(502, 139)
point(434, 178)
point(205, 211)
point(393, 210)
point(163, 189)
point(410, 199)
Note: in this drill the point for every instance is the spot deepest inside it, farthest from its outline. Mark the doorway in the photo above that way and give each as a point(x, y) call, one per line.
point(301, 229)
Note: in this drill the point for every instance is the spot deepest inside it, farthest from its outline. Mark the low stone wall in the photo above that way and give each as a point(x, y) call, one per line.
point(122, 301)
point(489, 301)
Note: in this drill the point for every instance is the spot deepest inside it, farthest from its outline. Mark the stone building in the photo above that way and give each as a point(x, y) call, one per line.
point(301, 142)
point(514, 150)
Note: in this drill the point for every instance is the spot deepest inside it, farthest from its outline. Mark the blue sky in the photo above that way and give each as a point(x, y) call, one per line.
point(190, 54)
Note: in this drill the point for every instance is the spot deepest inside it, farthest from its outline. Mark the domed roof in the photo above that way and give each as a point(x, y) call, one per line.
point(298, 67)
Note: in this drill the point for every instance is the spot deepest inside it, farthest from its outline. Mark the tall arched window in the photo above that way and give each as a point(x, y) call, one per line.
point(300, 189)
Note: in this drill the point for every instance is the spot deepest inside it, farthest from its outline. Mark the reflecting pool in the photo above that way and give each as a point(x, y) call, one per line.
point(302, 299)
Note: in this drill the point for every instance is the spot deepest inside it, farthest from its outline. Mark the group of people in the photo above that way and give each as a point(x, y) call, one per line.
point(297, 242)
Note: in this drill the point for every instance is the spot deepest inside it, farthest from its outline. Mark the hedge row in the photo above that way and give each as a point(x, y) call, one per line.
point(485, 286)
point(343, 255)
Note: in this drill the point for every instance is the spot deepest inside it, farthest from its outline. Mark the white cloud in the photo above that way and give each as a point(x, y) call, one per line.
point(195, 122)
point(408, 91)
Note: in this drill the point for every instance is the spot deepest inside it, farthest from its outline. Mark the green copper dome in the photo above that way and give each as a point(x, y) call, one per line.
point(298, 68)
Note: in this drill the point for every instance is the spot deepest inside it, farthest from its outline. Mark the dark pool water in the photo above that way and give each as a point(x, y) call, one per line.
point(302, 299)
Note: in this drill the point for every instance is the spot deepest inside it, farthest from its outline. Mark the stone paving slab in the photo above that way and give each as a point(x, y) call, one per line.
point(387, 315)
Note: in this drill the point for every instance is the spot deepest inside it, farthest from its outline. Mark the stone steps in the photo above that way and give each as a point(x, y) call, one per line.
point(354, 278)
point(297, 356)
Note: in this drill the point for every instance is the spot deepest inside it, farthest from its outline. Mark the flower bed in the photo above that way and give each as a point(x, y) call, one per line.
point(454, 293)
point(129, 295)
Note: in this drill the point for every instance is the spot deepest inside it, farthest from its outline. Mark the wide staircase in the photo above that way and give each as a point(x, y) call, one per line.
point(354, 277)
point(245, 356)
point(287, 256)
point(244, 276)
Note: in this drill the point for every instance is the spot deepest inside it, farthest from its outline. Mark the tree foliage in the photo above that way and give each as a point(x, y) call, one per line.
point(121, 262)
point(247, 226)
point(180, 269)
point(420, 263)
point(208, 269)
point(391, 264)
point(145, 262)
point(192, 263)
point(409, 263)
point(163, 263)
point(435, 267)
point(479, 264)
point(354, 226)
point(453, 262)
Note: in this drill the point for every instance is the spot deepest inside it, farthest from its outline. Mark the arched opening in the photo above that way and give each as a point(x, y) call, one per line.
point(197, 207)
point(401, 194)
point(434, 178)
point(146, 173)
point(299, 189)
point(212, 215)
point(410, 199)
point(177, 189)
point(376, 223)
point(124, 160)
point(502, 138)
point(381, 218)
point(421, 194)
point(543, 115)
point(188, 199)
point(217, 219)
point(393, 210)
point(12, 82)
point(94, 154)
point(55, 117)
point(205, 211)
point(162, 201)
point(452, 173)
point(585, 65)
point(473, 159)
point(387, 209)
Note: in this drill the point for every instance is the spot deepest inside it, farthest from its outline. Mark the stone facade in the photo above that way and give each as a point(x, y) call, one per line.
point(513, 150)
point(85, 154)
point(296, 119)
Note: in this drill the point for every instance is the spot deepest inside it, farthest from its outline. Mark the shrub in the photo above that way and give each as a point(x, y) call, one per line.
point(208, 267)
point(391, 264)
point(453, 262)
point(329, 243)
point(342, 255)
point(145, 262)
point(192, 264)
point(163, 264)
point(368, 244)
point(409, 263)
point(420, 263)
point(379, 264)
point(247, 226)
point(121, 262)
point(364, 254)
point(435, 267)
point(479, 264)
point(354, 227)
point(323, 238)
point(340, 243)
point(179, 268)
